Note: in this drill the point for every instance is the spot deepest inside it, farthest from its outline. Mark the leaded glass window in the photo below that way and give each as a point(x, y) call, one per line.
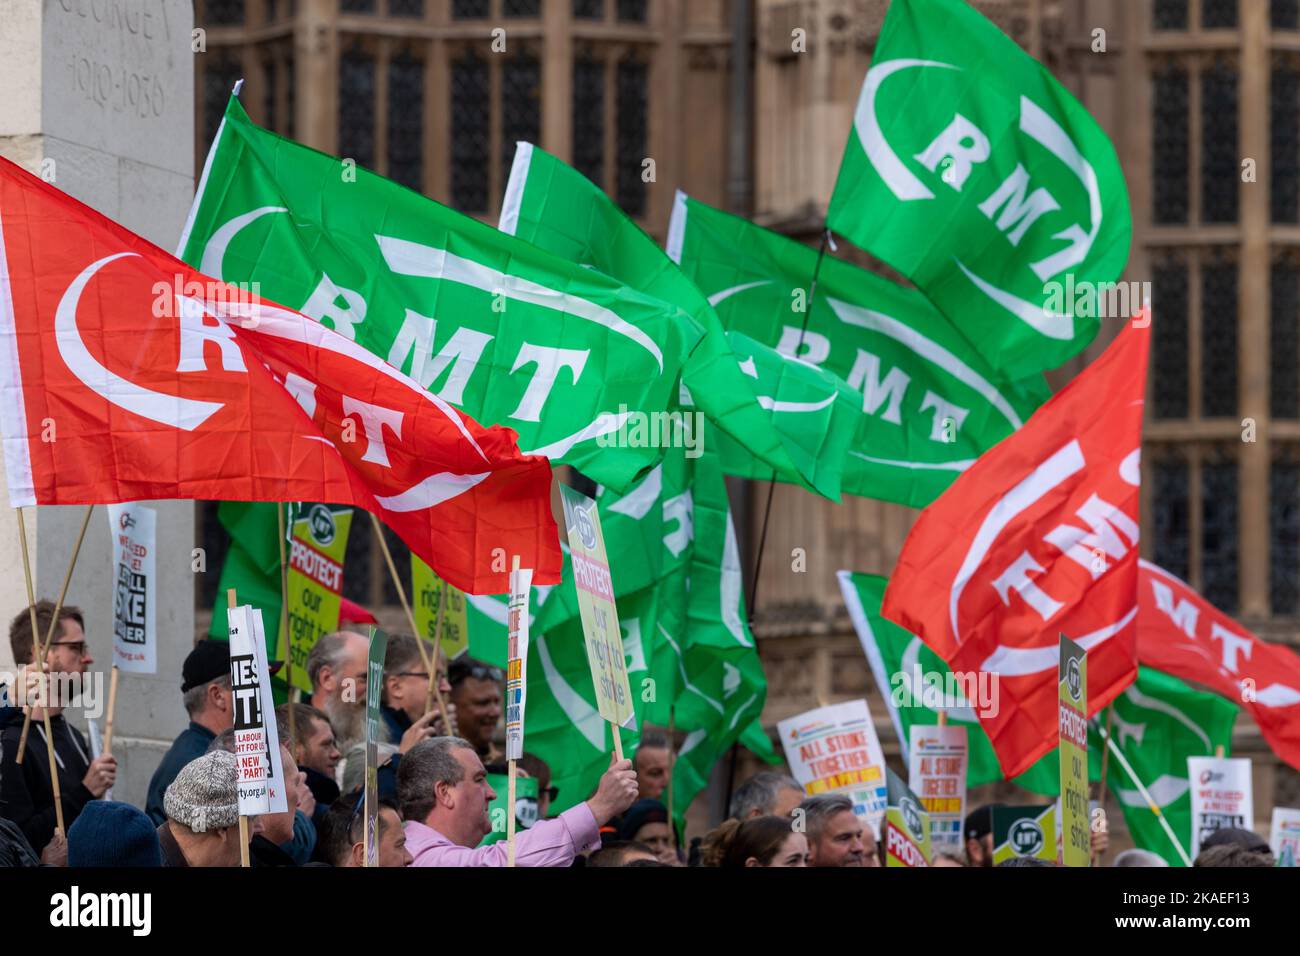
point(223, 13)
point(1169, 350)
point(589, 9)
point(1284, 142)
point(1170, 14)
point(1218, 337)
point(270, 114)
point(1284, 338)
point(1170, 168)
point(470, 134)
point(469, 9)
point(1171, 513)
point(521, 106)
point(220, 74)
point(631, 11)
point(523, 8)
point(357, 6)
point(631, 153)
point(1218, 14)
point(1220, 169)
point(290, 94)
point(406, 121)
point(589, 118)
point(1284, 533)
point(357, 107)
point(406, 8)
point(1284, 14)
point(1219, 533)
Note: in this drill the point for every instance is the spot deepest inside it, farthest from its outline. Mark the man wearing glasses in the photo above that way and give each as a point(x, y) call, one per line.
point(26, 791)
point(476, 690)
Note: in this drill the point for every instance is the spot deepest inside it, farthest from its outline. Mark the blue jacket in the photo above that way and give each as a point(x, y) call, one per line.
point(190, 745)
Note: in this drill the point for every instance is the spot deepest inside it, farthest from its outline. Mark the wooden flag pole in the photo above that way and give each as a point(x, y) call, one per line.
point(437, 644)
point(943, 719)
point(49, 634)
point(112, 705)
point(232, 602)
point(284, 621)
point(618, 741)
point(1151, 804)
point(410, 618)
point(40, 668)
point(1218, 751)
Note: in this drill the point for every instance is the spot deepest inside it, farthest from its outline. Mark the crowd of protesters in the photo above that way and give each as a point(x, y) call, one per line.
point(433, 782)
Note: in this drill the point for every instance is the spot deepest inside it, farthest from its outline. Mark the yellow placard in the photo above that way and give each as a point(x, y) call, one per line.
point(315, 554)
point(1076, 837)
point(427, 589)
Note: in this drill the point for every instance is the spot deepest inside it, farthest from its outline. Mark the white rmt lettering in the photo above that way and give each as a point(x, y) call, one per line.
point(323, 306)
point(1082, 548)
point(461, 353)
point(549, 362)
point(1232, 644)
point(811, 347)
point(1018, 213)
point(195, 333)
point(373, 419)
point(1182, 613)
point(865, 377)
point(944, 412)
point(964, 143)
point(1016, 578)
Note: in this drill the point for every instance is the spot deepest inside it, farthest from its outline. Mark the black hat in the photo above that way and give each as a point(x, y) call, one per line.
point(209, 660)
point(639, 814)
point(1233, 836)
point(979, 822)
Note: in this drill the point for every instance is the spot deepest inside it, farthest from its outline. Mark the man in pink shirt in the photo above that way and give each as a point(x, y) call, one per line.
point(443, 790)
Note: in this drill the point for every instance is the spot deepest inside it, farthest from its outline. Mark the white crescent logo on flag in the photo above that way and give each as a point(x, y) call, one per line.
point(900, 180)
point(184, 413)
point(214, 252)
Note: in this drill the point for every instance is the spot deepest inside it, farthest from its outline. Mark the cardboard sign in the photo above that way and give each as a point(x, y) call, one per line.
point(1222, 796)
point(318, 543)
point(1024, 831)
point(517, 621)
point(834, 749)
point(907, 827)
point(135, 587)
point(426, 591)
point(595, 589)
point(1076, 836)
point(936, 773)
point(1284, 839)
point(525, 805)
point(259, 773)
point(374, 688)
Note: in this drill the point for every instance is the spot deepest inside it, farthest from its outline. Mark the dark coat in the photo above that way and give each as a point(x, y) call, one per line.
point(190, 745)
point(26, 795)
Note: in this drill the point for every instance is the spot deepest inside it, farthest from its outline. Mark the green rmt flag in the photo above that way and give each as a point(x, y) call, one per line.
point(974, 173)
point(504, 331)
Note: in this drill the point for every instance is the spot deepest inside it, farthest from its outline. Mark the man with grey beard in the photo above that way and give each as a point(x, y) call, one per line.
point(336, 668)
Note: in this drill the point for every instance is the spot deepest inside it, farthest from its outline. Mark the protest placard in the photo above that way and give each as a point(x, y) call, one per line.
point(259, 772)
point(1284, 838)
point(318, 543)
point(1024, 831)
point(1222, 796)
point(135, 587)
point(526, 790)
point(595, 588)
point(521, 580)
point(937, 760)
point(427, 591)
point(907, 826)
point(834, 749)
point(1076, 837)
point(374, 690)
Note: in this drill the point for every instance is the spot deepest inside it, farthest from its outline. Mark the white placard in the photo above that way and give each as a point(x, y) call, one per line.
point(834, 749)
point(1284, 839)
point(1222, 796)
point(259, 774)
point(132, 527)
point(936, 773)
point(517, 661)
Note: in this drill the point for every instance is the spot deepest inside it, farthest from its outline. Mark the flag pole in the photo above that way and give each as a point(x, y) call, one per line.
point(49, 635)
point(672, 761)
point(112, 706)
point(1151, 804)
point(40, 669)
point(231, 603)
point(771, 485)
point(410, 618)
point(512, 768)
point(284, 619)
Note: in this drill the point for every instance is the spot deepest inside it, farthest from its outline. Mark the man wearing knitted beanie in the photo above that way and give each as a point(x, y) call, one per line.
point(202, 827)
point(108, 833)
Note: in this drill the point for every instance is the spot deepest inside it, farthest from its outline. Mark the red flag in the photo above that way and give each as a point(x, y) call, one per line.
point(1181, 633)
point(128, 375)
point(1038, 538)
